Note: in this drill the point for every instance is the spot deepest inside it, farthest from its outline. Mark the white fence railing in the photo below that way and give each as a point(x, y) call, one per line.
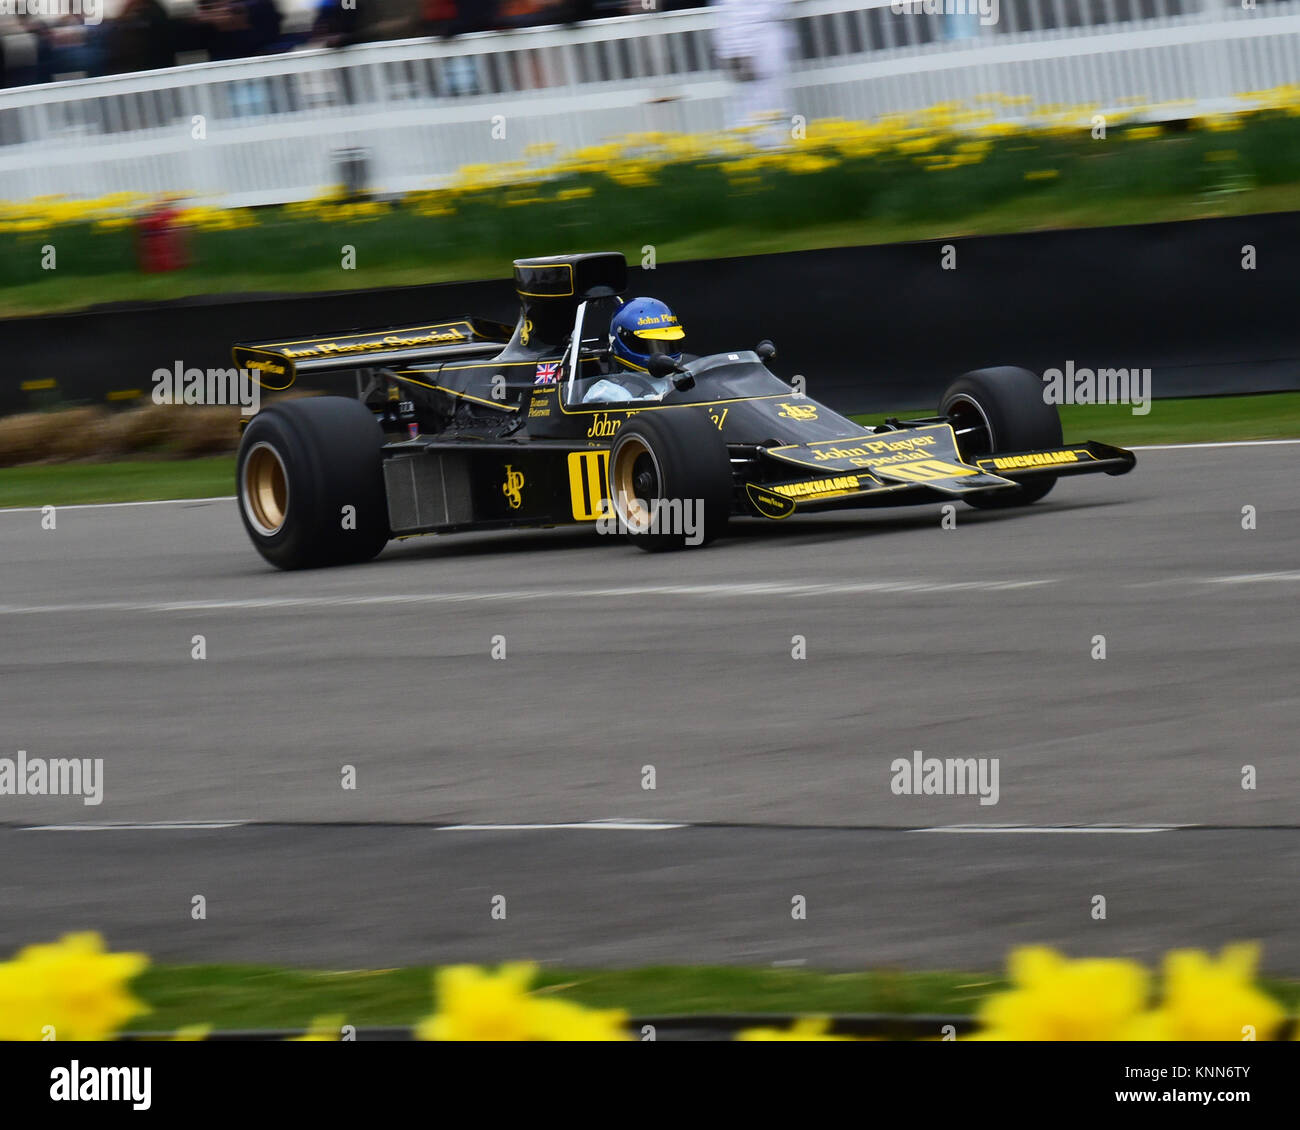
point(424, 108)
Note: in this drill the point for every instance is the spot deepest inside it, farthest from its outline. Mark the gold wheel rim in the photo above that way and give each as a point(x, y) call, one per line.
point(631, 509)
point(266, 489)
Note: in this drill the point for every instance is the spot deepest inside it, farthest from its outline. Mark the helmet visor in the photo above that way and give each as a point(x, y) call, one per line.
point(648, 346)
point(662, 333)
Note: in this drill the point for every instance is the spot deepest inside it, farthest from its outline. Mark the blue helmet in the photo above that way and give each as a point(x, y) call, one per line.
point(641, 328)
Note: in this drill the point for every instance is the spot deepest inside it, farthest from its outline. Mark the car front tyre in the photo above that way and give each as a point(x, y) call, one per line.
point(1002, 410)
point(670, 480)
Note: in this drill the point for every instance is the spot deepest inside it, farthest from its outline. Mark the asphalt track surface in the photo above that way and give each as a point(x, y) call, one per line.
point(772, 774)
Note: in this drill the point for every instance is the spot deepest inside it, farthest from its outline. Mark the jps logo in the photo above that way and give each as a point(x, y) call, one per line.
point(798, 411)
point(603, 425)
point(513, 487)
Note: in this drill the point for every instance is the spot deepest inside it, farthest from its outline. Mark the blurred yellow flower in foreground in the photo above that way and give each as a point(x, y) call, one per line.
point(324, 1029)
point(475, 1004)
point(807, 1028)
point(1055, 998)
point(72, 986)
point(1205, 999)
point(554, 1019)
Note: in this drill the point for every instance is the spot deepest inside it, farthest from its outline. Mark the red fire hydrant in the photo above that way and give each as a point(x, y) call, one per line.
point(161, 240)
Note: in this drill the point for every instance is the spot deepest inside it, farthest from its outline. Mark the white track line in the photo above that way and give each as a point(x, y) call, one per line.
point(110, 505)
point(1028, 829)
point(642, 826)
point(1225, 443)
point(1291, 576)
point(1254, 578)
point(712, 591)
point(590, 825)
point(721, 591)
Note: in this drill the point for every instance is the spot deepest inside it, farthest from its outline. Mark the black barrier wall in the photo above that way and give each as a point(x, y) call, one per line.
point(870, 328)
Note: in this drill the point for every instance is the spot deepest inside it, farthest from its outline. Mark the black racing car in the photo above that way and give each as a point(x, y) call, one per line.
point(473, 424)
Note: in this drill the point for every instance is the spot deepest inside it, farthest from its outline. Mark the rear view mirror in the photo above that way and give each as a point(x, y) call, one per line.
point(661, 365)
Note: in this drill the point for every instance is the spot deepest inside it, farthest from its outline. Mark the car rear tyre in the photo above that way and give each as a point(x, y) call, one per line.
point(1001, 410)
point(669, 470)
point(302, 465)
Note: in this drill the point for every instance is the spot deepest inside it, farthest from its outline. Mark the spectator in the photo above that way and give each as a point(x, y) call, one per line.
point(76, 48)
point(333, 25)
point(531, 13)
point(389, 19)
point(19, 51)
point(458, 17)
point(140, 39)
point(754, 43)
point(41, 46)
point(236, 29)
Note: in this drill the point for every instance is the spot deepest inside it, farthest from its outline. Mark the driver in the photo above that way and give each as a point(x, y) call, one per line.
point(641, 328)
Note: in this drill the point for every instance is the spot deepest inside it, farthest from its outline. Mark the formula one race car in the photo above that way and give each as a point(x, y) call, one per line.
point(473, 424)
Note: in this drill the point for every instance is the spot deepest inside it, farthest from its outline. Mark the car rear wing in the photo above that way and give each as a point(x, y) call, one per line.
point(277, 364)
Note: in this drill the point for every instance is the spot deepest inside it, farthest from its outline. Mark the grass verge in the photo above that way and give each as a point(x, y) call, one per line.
point(232, 997)
point(1206, 419)
point(134, 480)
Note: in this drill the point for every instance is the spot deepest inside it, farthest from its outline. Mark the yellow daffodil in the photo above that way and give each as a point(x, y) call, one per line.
point(562, 1020)
point(324, 1029)
point(475, 1004)
point(1205, 999)
point(1055, 998)
point(807, 1028)
point(71, 986)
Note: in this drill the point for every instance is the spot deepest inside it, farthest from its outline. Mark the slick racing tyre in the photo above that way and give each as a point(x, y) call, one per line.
point(301, 465)
point(997, 410)
point(670, 479)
